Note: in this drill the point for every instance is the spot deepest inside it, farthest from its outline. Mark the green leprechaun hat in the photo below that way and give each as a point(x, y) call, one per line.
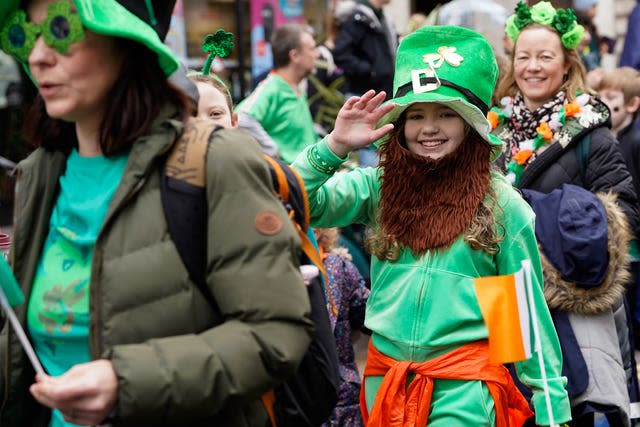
point(144, 21)
point(449, 65)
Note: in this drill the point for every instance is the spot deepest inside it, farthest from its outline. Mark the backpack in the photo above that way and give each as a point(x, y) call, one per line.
point(309, 396)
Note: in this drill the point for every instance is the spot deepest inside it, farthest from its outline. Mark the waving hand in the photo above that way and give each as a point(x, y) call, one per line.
point(356, 123)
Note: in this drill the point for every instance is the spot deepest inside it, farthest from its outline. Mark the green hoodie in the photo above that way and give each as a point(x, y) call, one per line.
point(423, 306)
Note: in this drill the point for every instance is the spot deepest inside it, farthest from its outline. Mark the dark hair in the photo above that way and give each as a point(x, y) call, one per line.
point(286, 38)
point(137, 96)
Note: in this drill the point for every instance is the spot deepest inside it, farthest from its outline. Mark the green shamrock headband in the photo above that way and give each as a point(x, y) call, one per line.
point(218, 44)
point(563, 21)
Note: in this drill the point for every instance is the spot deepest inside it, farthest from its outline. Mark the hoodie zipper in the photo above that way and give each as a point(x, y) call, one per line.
point(416, 319)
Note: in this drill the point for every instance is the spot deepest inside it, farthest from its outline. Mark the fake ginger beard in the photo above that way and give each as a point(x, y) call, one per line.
point(427, 204)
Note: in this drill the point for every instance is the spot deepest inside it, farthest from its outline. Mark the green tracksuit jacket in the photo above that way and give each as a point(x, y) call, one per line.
point(422, 307)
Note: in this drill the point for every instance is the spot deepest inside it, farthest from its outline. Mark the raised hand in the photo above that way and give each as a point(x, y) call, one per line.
point(356, 123)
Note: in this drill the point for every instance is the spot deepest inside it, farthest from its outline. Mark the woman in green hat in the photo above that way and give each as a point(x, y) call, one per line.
point(440, 217)
point(556, 133)
point(122, 331)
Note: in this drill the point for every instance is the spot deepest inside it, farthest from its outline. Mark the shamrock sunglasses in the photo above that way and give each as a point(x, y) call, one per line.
point(60, 29)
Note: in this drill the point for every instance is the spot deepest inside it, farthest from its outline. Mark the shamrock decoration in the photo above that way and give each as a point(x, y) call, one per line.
point(522, 15)
point(563, 21)
point(218, 44)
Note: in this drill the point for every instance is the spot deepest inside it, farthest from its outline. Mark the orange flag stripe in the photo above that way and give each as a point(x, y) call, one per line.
point(504, 307)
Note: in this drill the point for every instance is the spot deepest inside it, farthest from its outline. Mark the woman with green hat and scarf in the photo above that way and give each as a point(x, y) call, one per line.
point(556, 134)
point(440, 217)
point(124, 334)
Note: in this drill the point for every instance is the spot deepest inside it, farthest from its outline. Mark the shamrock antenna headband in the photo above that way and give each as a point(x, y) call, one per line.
point(562, 21)
point(218, 44)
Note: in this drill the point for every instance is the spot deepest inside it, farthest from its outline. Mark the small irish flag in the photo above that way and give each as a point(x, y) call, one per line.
point(11, 296)
point(9, 285)
point(504, 302)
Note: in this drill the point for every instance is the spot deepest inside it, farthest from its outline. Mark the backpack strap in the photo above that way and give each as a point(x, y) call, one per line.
point(268, 400)
point(283, 193)
point(186, 161)
point(582, 155)
point(283, 185)
point(184, 200)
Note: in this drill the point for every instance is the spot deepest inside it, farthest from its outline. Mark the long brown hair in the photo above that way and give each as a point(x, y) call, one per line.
point(136, 99)
point(575, 81)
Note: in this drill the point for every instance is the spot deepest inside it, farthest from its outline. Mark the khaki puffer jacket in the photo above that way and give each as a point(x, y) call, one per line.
point(178, 362)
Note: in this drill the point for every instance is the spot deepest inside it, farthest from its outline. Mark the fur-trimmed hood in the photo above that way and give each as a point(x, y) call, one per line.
point(570, 298)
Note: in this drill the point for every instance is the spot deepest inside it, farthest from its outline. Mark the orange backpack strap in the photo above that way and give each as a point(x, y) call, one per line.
point(283, 185)
point(311, 252)
point(268, 400)
point(305, 196)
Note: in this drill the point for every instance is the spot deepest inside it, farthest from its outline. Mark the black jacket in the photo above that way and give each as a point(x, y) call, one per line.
point(606, 169)
point(581, 315)
point(365, 51)
point(629, 139)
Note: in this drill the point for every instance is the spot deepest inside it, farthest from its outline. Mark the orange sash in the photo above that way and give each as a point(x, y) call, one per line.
point(399, 406)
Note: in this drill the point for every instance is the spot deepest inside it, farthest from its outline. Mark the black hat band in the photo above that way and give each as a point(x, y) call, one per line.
point(424, 80)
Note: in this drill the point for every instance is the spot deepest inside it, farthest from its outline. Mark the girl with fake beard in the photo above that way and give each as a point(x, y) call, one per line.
point(441, 217)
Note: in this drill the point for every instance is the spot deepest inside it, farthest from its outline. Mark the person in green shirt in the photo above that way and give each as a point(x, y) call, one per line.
point(277, 113)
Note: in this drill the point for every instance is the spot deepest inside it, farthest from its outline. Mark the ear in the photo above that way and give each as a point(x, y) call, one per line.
point(293, 54)
point(234, 120)
point(633, 105)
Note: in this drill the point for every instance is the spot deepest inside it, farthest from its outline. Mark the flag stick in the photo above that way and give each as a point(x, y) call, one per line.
point(526, 266)
point(11, 315)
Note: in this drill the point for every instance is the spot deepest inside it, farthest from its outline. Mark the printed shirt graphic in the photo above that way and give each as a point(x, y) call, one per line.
point(58, 311)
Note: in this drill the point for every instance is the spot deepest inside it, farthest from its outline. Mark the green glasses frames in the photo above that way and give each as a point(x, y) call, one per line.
point(60, 29)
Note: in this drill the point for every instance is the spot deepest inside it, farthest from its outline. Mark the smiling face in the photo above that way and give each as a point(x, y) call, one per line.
point(213, 106)
point(433, 130)
point(74, 85)
point(539, 65)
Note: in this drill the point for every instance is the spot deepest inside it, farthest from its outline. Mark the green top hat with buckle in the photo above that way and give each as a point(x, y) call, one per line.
point(449, 65)
point(144, 21)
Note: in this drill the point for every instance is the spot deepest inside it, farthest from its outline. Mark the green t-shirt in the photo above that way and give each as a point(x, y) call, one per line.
point(283, 114)
point(58, 311)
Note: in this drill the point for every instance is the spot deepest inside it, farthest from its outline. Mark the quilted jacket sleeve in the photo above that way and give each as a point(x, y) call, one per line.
point(253, 273)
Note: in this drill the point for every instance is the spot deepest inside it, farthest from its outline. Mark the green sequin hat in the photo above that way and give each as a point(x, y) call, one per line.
point(144, 21)
point(449, 65)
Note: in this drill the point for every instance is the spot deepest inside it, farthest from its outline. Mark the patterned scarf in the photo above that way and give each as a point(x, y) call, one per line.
point(426, 204)
point(523, 122)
